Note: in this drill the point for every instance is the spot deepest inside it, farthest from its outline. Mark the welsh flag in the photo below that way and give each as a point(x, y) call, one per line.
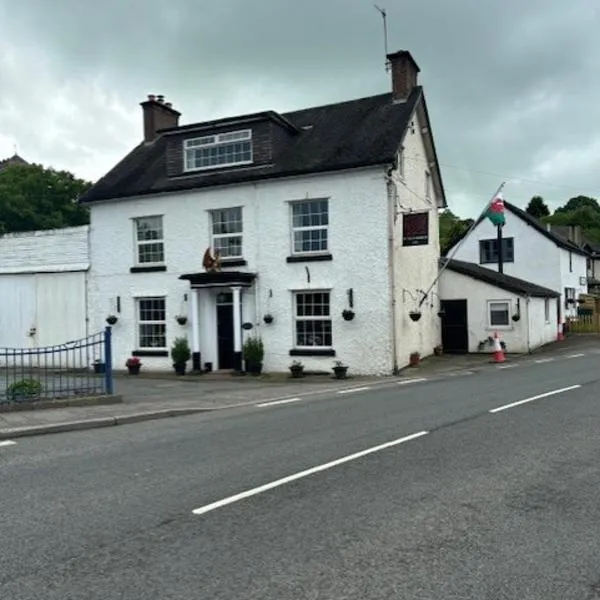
point(495, 211)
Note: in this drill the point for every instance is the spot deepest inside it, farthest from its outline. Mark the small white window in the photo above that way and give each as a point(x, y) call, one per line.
point(310, 225)
point(151, 323)
point(227, 230)
point(149, 240)
point(312, 320)
point(547, 310)
point(499, 313)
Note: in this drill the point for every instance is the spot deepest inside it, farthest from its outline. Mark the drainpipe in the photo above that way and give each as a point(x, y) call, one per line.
point(391, 195)
point(528, 300)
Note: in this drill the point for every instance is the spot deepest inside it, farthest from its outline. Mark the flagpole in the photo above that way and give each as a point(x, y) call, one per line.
point(475, 223)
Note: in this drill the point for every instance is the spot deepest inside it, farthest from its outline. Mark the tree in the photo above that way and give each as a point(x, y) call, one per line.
point(579, 202)
point(33, 197)
point(452, 228)
point(537, 208)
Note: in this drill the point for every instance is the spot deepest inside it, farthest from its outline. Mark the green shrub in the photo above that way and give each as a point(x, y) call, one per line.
point(180, 351)
point(254, 350)
point(25, 389)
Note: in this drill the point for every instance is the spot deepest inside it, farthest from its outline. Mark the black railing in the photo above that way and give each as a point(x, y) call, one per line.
point(70, 370)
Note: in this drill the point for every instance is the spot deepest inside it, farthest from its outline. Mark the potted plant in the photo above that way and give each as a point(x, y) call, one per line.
point(254, 353)
point(415, 315)
point(133, 365)
point(340, 370)
point(180, 354)
point(415, 359)
point(268, 318)
point(297, 369)
point(181, 319)
point(99, 366)
point(111, 319)
point(348, 314)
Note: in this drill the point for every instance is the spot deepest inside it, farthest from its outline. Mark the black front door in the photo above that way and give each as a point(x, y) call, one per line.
point(225, 330)
point(455, 330)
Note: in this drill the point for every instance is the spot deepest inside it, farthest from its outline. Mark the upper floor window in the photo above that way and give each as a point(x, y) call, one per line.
point(415, 229)
point(227, 232)
point(149, 237)
point(222, 150)
point(488, 251)
point(310, 225)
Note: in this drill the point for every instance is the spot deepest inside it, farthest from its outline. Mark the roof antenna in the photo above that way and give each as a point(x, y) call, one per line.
point(385, 35)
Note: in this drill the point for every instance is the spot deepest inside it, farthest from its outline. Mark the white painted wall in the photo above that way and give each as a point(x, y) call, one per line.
point(358, 241)
point(43, 287)
point(530, 332)
point(537, 259)
point(415, 267)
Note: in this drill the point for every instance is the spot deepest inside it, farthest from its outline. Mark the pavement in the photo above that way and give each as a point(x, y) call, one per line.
point(154, 396)
point(477, 485)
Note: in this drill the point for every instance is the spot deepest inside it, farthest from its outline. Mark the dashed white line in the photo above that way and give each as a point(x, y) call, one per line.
point(352, 390)
point(276, 402)
point(279, 482)
point(543, 360)
point(538, 397)
point(576, 355)
point(7, 443)
point(507, 366)
point(415, 380)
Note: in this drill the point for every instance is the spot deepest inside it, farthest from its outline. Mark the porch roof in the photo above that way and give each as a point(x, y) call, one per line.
point(214, 279)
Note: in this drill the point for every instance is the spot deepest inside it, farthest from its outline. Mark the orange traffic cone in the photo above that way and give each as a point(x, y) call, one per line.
point(498, 353)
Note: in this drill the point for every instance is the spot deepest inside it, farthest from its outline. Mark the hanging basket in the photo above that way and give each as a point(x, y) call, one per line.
point(268, 318)
point(516, 317)
point(111, 319)
point(181, 319)
point(415, 315)
point(348, 315)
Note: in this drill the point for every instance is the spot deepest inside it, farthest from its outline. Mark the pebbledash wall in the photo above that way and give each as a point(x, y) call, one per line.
point(536, 258)
point(531, 331)
point(359, 208)
point(43, 287)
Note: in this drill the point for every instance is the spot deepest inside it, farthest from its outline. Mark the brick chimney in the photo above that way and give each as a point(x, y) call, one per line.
point(405, 74)
point(158, 114)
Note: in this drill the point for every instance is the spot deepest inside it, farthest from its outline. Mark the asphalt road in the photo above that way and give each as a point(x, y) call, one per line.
point(413, 492)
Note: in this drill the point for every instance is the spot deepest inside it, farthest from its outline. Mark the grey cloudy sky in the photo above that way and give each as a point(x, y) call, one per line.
point(512, 87)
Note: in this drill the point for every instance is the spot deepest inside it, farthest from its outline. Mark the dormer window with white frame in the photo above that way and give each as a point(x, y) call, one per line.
point(220, 150)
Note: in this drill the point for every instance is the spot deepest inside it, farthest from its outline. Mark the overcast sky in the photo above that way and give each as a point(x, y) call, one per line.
point(512, 87)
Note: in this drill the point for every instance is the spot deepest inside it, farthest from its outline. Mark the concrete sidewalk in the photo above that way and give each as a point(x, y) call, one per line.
point(156, 396)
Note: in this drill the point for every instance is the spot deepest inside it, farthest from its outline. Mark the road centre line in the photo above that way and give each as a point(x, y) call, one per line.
point(576, 355)
point(7, 443)
point(407, 381)
point(543, 360)
point(276, 402)
point(279, 482)
point(538, 397)
point(352, 390)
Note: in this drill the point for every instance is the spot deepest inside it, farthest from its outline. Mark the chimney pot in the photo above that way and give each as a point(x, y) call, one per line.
point(405, 74)
point(158, 115)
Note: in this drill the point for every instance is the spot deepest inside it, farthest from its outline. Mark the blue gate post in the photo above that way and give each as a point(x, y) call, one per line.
point(108, 375)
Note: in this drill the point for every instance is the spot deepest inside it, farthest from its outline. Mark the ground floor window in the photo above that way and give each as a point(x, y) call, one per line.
point(499, 313)
point(312, 319)
point(151, 323)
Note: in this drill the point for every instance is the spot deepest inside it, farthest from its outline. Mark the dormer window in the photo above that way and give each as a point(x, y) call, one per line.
point(222, 150)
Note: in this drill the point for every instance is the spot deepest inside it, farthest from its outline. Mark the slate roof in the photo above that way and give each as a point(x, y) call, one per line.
point(350, 134)
point(499, 280)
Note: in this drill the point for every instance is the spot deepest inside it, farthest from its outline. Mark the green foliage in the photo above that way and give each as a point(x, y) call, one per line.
point(254, 350)
point(24, 389)
point(537, 208)
point(33, 197)
point(451, 229)
point(180, 351)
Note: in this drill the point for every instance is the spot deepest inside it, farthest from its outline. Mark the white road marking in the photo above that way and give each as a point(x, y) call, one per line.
point(415, 380)
point(544, 360)
point(276, 402)
point(279, 482)
point(538, 397)
point(352, 390)
point(507, 366)
point(576, 355)
point(7, 443)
